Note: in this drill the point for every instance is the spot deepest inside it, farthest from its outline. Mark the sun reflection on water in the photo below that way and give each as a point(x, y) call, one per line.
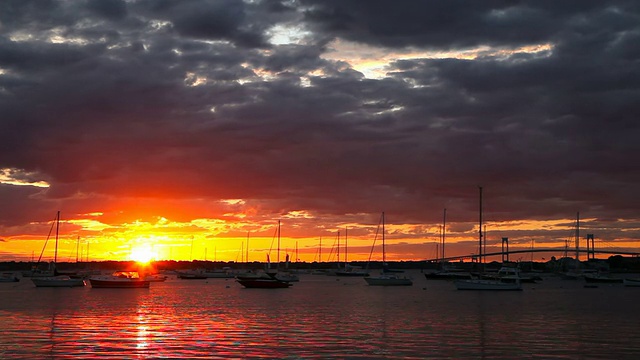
point(319, 318)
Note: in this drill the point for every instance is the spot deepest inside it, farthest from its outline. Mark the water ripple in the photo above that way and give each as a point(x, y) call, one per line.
point(316, 319)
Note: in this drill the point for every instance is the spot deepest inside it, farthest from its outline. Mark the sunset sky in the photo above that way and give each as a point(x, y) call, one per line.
point(187, 129)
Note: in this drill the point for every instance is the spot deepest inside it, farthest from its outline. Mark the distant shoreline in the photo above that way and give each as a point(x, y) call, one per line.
point(616, 263)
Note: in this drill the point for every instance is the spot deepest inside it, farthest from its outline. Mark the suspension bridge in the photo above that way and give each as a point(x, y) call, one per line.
point(590, 251)
point(562, 251)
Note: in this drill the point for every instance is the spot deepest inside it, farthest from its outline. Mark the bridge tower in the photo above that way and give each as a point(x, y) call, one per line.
point(591, 247)
point(505, 242)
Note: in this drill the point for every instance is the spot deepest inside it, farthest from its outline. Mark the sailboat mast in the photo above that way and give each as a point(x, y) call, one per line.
point(338, 251)
point(345, 248)
point(577, 237)
point(484, 243)
point(55, 256)
point(278, 242)
point(444, 227)
point(191, 252)
point(384, 252)
point(480, 259)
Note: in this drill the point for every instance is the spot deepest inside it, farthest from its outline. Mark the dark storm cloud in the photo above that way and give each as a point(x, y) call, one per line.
point(110, 9)
point(449, 24)
point(190, 99)
point(40, 57)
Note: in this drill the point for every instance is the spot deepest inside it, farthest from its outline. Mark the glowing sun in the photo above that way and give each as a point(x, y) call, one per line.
point(142, 254)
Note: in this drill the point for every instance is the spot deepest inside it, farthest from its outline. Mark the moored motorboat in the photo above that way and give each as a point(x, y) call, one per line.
point(58, 281)
point(119, 279)
point(510, 274)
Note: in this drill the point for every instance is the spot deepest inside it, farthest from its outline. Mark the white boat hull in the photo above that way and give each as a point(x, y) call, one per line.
point(119, 279)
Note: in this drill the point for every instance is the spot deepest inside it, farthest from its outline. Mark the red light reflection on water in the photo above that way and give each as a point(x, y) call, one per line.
point(322, 318)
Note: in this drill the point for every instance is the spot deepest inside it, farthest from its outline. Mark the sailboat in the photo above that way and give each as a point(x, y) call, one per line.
point(486, 284)
point(386, 278)
point(57, 280)
point(35, 270)
point(287, 275)
point(575, 272)
point(350, 270)
point(446, 272)
point(284, 275)
point(270, 278)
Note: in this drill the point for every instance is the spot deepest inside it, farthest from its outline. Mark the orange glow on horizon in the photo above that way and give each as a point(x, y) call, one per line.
point(226, 238)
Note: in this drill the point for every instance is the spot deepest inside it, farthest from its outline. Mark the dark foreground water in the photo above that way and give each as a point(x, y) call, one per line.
point(320, 317)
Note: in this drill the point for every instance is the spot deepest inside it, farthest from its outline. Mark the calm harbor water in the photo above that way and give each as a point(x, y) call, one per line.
point(320, 317)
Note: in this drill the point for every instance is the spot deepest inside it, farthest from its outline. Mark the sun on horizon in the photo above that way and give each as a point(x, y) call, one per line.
point(143, 254)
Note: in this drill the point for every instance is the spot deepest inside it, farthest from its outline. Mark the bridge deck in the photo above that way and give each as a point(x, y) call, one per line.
point(556, 250)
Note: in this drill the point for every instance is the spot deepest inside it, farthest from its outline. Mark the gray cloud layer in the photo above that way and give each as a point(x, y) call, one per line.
point(96, 99)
